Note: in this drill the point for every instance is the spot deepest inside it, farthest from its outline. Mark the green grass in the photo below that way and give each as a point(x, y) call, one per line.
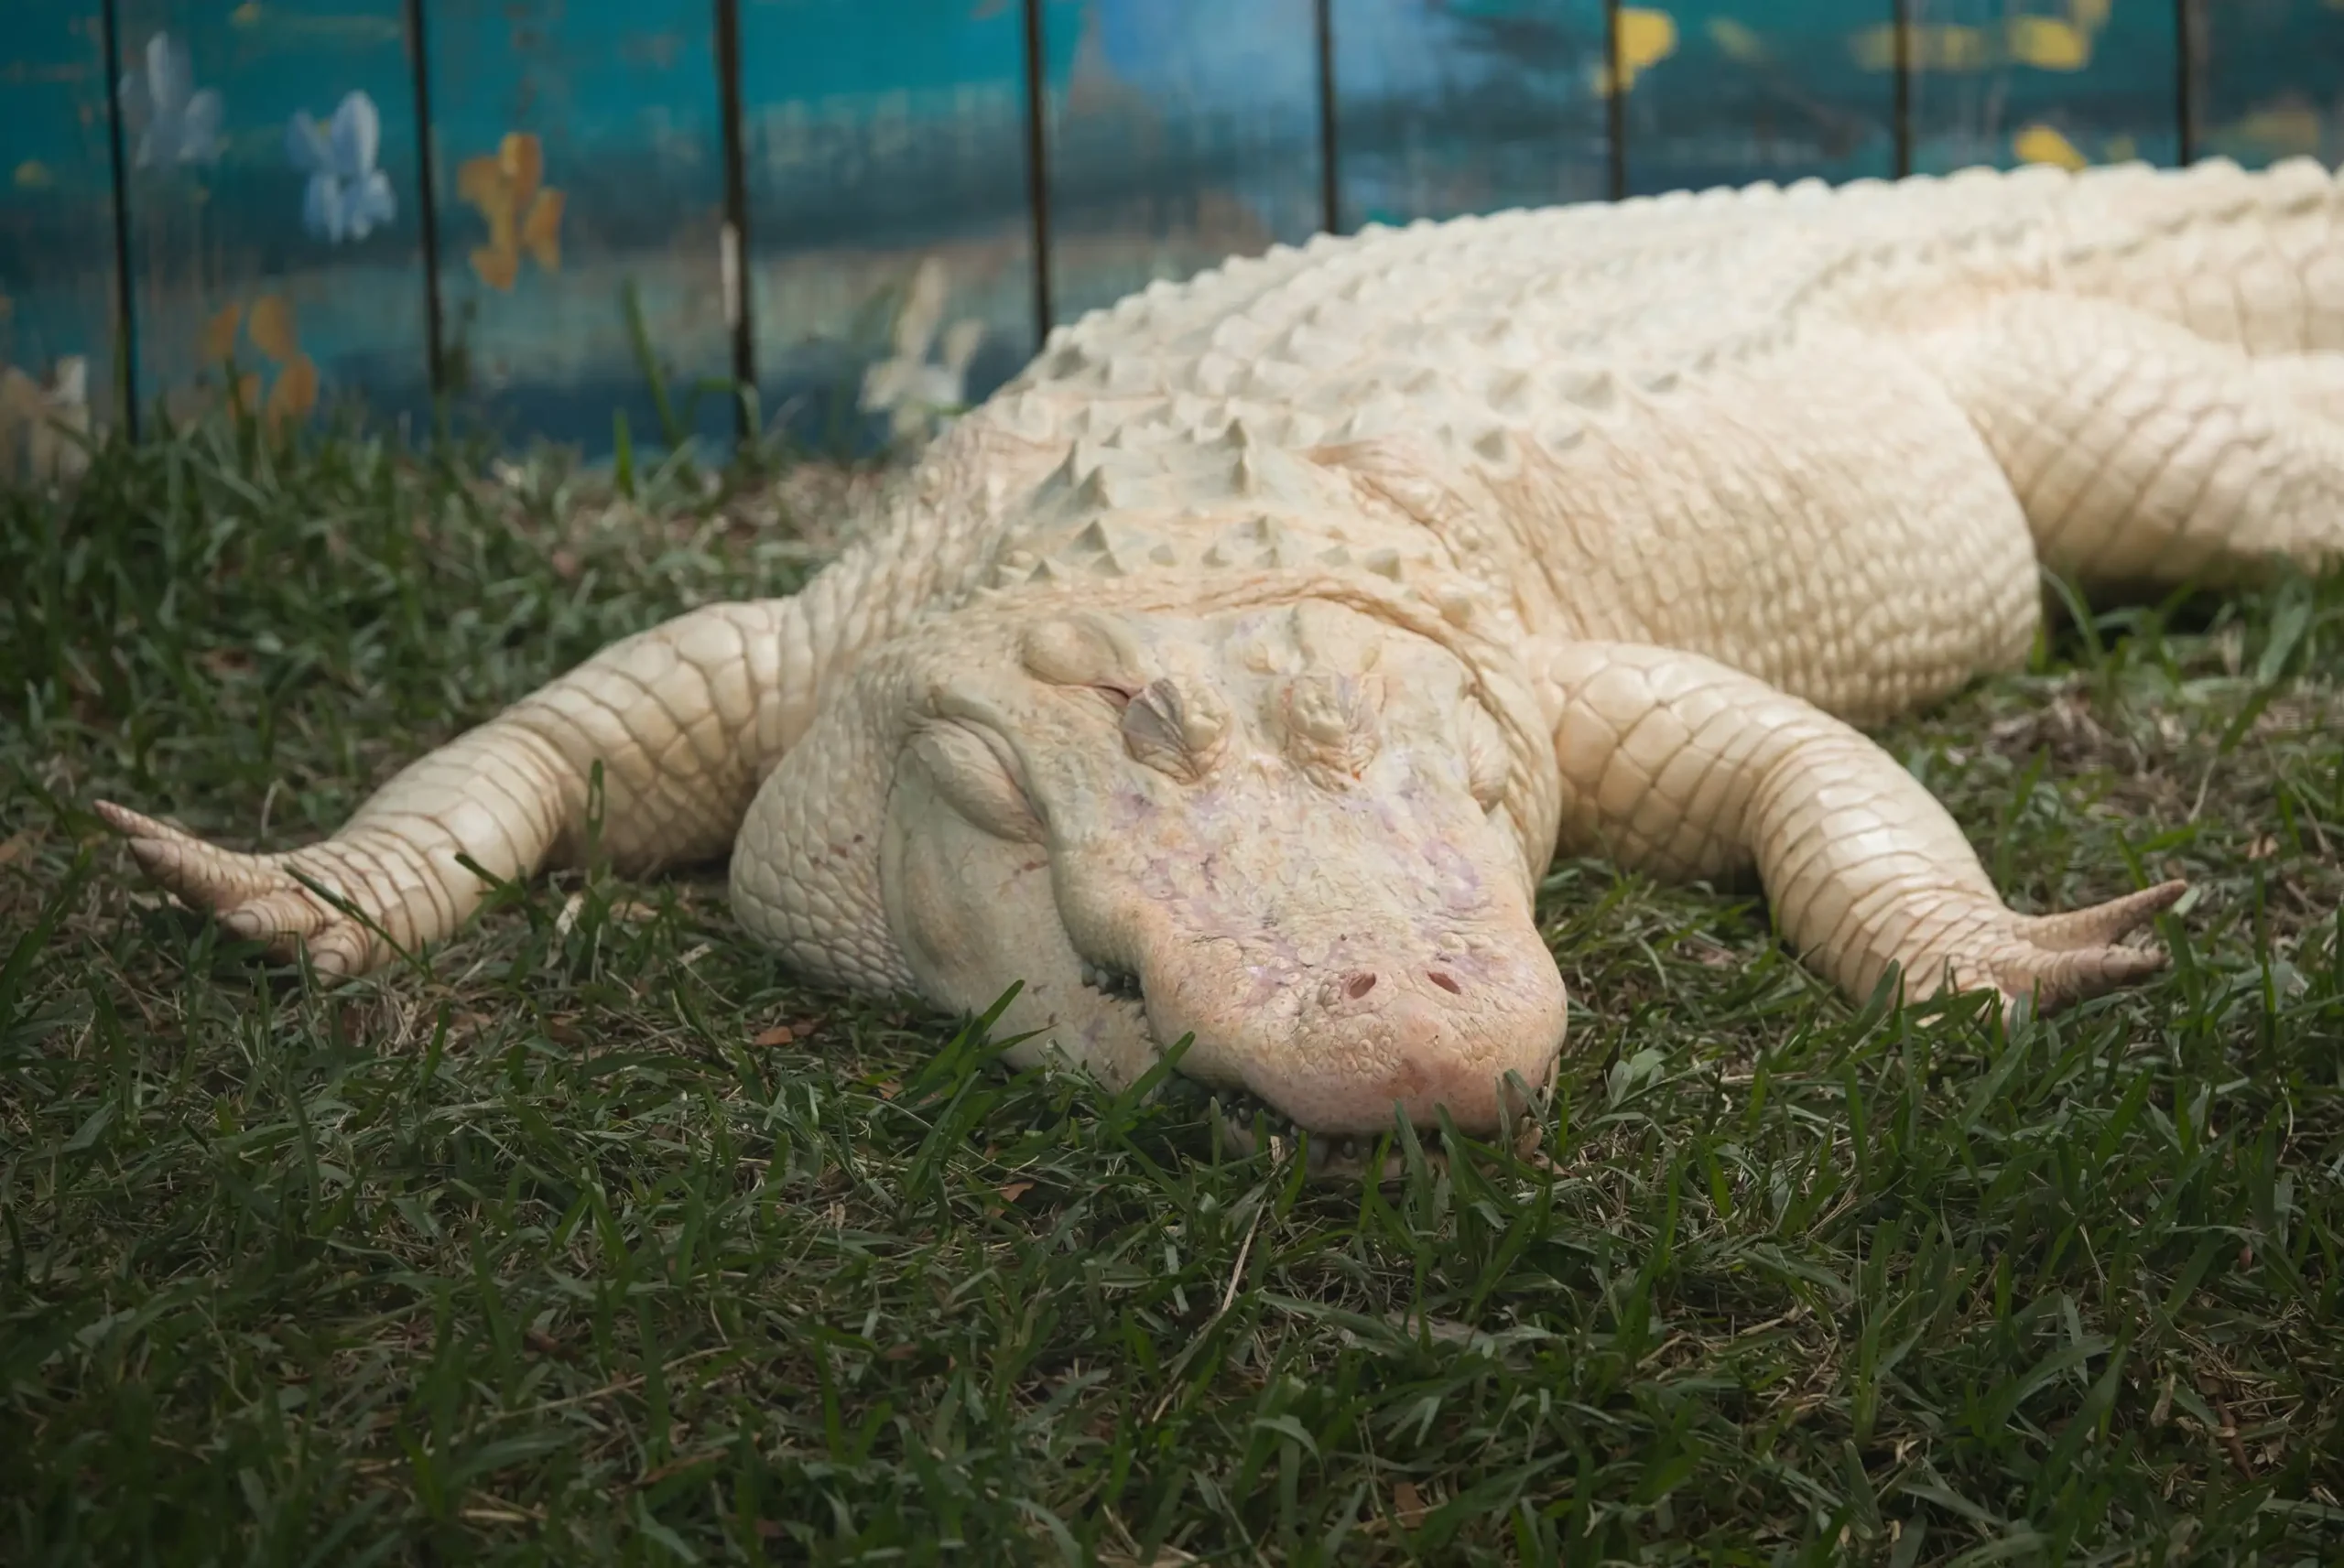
point(557, 1249)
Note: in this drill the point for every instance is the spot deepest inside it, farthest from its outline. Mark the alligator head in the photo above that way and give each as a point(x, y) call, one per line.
point(1304, 830)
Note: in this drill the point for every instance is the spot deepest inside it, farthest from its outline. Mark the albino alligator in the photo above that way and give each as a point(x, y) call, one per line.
point(1236, 670)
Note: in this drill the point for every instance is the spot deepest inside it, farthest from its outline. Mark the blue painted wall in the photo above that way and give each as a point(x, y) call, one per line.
point(886, 253)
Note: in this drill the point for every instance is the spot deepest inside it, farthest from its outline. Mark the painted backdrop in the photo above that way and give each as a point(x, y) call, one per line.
point(564, 214)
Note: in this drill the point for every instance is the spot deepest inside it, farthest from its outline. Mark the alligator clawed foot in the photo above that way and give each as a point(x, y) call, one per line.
point(2045, 962)
point(256, 897)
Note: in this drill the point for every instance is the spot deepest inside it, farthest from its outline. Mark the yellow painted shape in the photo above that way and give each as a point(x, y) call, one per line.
point(2042, 144)
point(541, 230)
point(1737, 41)
point(219, 335)
point(1873, 48)
point(504, 233)
point(1935, 45)
point(496, 268)
point(1646, 37)
point(2047, 44)
point(2282, 129)
point(1952, 48)
point(522, 159)
point(481, 182)
point(2121, 149)
point(246, 14)
point(33, 175)
point(270, 327)
point(294, 395)
point(522, 213)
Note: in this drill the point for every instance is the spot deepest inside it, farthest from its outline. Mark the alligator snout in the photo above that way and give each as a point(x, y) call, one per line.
point(1423, 1038)
point(1343, 1049)
point(1356, 986)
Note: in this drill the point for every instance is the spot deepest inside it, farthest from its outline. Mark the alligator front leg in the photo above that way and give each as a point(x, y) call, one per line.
point(1678, 765)
point(684, 718)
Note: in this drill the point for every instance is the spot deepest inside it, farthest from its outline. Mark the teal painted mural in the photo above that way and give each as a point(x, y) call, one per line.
point(1451, 107)
point(578, 199)
point(655, 220)
point(269, 175)
point(2267, 79)
point(60, 286)
point(1724, 92)
point(2074, 82)
point(1177, 136)
point(891, 265)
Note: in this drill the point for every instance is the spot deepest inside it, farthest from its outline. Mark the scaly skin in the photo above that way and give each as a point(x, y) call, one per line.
point(1235, 672)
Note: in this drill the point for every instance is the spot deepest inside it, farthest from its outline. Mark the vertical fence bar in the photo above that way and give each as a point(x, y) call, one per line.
point(1615, 104)
point(1037, 169)
point(126, 322)
point(738, 296)
point(2188, 41)
point(1331, 187)
point(427, 197)
point(1901, 26)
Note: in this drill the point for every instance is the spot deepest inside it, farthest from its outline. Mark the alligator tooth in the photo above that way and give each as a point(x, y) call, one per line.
point(1239, 1135)
point(1114, 982)
point(1529, 1133)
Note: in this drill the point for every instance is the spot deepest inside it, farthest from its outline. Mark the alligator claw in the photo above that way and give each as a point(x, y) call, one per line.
point(254, 897)
point(2042, 963)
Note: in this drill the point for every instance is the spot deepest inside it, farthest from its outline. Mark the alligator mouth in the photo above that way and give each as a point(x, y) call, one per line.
point(1248, 1123)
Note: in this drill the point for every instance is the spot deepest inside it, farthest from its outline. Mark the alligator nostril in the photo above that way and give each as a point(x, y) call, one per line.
point(1446, 982)
point(1360, 985)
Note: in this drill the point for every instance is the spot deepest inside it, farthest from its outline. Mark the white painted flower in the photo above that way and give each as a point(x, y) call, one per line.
point(914, 390)
point(175, 123)
point(348, 196)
